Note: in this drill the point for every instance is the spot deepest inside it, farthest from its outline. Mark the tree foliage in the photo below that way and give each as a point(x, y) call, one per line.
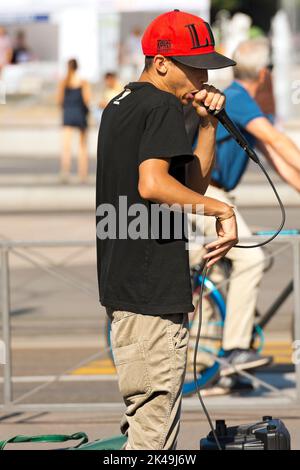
point(226, 4)
point(261, 11)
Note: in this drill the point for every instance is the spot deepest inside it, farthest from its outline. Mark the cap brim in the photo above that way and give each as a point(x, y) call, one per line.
point(210, 61)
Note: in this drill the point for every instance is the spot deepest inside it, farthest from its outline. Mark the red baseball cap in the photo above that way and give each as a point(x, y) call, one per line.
point(186, 38)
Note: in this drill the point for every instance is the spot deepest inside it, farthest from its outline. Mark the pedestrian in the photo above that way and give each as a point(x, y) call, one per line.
point(5, 49)
point(252, 79)
point(21, 52)
point(74, 98)
point(111, 88)
point(144, 282)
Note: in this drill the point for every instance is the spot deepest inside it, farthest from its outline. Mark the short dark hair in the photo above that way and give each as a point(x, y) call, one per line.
point(110, 75)
point(148, 62)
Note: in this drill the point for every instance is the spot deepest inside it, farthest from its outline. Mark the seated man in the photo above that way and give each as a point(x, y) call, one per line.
point(231, 162)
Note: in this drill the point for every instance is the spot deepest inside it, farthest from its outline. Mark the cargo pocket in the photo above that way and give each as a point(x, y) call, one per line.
point(178, 329)
point(118, 315)
point(132, 367)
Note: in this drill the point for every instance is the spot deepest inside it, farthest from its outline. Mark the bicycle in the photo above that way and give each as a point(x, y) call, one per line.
point(218, 300)
point(217, 297)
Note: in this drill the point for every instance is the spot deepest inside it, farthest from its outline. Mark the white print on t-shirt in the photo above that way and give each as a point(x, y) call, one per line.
point(126, 93)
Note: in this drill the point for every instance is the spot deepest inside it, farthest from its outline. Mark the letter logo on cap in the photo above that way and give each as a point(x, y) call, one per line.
point(209, 39)
point(163, 45)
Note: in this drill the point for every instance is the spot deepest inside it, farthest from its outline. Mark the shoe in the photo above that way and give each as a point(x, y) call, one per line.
point(243, 359)
point(230, 385)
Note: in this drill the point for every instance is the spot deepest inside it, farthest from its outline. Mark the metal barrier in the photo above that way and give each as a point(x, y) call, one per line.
point(12, 246)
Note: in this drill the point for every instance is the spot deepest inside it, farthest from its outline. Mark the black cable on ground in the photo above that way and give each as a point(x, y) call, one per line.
point(204, 272)
point(236, 134)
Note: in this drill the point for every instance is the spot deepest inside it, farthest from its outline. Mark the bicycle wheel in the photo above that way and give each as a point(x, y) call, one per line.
point(108, 340)
point(210, 337)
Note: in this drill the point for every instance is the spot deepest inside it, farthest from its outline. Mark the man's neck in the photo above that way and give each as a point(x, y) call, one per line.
point(251, 87)
point(156, 81)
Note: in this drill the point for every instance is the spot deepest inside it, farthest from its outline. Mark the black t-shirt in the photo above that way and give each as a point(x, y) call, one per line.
point(144, 275)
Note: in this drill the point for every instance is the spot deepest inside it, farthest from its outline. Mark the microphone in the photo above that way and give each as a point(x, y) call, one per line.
point(233, 130)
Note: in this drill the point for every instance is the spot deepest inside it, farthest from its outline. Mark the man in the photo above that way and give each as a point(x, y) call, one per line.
point(144, 283)
point(21, 52)
point(250, 74)
point(5, 49)
point(111, 88)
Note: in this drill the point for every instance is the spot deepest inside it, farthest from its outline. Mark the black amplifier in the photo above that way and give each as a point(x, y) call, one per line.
point(268, 434)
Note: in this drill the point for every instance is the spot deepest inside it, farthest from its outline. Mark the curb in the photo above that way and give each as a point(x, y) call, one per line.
point(82, 198)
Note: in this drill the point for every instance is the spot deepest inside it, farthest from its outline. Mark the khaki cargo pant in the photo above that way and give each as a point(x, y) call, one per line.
point(150, 354)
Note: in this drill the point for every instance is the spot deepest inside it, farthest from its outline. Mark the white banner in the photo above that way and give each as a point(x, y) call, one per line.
point(164, 5)
point(16, 8)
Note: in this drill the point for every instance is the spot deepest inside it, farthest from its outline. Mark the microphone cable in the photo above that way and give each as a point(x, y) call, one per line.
point(231, 128)
point(283, 214)
point(199, 304)
point(234, 131)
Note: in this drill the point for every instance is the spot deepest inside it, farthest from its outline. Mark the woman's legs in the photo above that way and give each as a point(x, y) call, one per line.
point(66, 152)
point(83, 156)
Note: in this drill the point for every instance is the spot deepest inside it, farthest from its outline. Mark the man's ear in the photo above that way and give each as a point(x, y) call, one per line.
point(160, 64)
point(262, 76)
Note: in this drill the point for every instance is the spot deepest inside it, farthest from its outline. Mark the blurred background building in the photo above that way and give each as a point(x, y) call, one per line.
point(104, 36)
point(39, 38)
point(91, 30)
point(60, 305)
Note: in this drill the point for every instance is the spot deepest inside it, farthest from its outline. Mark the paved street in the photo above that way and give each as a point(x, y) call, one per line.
point(103, 425)
point(58, 329)
point(59, 350)
point(59, 376)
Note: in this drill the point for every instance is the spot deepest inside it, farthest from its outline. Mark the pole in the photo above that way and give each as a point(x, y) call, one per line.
point(5, 303)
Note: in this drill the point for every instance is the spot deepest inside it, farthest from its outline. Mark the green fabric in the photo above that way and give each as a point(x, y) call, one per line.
point(112, 443)
point(47, 438)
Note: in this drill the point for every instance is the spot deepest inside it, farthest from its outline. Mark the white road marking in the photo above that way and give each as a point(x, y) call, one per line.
point(63, 378)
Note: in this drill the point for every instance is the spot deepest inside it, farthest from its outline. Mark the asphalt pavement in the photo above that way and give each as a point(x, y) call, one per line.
point(59, 349)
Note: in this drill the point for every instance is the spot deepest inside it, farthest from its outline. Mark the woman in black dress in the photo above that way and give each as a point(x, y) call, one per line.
point(74, 97)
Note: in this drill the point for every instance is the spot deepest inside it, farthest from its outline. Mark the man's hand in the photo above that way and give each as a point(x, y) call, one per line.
point(210, 97)
point(227, 238)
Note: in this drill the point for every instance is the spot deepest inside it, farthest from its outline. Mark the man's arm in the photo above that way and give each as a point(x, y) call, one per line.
point(157, 185)
point(264, 131)
point(199, 170)
point(287, 172)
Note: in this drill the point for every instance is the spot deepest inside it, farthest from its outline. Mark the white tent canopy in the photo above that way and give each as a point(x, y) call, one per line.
point(15, 8)
point(88, 29)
